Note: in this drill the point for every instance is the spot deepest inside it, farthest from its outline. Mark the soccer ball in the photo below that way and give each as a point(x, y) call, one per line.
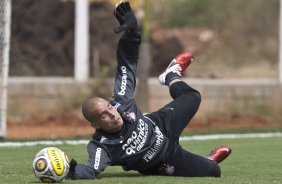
point(50, 165)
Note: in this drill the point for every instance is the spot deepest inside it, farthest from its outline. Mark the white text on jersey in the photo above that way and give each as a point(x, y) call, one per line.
point(123, 81)
point(97, 158)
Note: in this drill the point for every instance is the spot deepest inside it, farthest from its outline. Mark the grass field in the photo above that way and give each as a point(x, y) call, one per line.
point(252, 161)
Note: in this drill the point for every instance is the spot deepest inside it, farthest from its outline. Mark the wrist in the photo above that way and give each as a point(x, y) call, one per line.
point(71, 174)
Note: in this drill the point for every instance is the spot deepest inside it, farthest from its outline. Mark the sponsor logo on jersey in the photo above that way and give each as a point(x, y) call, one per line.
point(155, 148)
point(97, 158)
point(123, 81)
point(137, 140)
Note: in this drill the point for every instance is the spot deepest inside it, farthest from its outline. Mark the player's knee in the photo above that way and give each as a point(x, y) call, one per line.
point(197, 96)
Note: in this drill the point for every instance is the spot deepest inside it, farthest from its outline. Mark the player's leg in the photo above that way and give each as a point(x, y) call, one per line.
point(186, 99)
point(184, 163)
point(183, 107)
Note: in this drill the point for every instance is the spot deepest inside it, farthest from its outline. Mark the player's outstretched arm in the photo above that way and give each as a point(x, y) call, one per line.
point(127, 55)
point(125, 17)
point(98, 160)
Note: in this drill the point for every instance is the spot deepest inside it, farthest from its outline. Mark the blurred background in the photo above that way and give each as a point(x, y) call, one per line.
point(234, 39)
point(236, 68)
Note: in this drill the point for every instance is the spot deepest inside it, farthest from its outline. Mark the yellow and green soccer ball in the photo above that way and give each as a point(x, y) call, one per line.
point(50, 165)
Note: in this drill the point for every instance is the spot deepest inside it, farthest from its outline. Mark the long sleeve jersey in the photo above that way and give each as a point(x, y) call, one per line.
point(140, 144)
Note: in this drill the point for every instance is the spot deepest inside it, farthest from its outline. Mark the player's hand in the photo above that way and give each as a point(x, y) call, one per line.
point(71, 173)
point(125, 17)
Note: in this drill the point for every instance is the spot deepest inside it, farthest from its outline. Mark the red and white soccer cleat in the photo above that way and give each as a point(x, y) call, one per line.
point(178, 65)
point(219, 154)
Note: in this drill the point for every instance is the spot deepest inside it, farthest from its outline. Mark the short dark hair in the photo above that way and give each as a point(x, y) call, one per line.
point(87, 106)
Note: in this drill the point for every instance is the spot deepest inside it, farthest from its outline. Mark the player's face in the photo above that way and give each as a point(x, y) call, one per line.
point(107, 117)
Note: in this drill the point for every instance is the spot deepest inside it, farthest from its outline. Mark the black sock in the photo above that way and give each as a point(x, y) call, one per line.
point(170, 77)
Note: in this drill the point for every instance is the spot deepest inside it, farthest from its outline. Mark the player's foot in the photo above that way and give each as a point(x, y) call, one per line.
point(176, 68)
point(219, 154)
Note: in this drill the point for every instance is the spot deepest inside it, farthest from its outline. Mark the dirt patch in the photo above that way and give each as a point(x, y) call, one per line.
point(72, 124)
point(67, 125)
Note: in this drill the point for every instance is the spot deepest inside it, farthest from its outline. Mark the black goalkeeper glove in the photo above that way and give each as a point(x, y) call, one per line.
point(125, 17)
point(71, 174)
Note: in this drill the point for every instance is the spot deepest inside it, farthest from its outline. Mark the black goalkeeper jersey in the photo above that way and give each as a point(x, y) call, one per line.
point(140, 144)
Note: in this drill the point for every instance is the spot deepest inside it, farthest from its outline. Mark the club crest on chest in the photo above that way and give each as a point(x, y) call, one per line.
point(129, 116)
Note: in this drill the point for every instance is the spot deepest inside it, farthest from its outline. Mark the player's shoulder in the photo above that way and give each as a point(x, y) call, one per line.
point(104, 138)
point(97, 135)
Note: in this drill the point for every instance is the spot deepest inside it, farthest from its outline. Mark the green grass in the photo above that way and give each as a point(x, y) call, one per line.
point(255, 161)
